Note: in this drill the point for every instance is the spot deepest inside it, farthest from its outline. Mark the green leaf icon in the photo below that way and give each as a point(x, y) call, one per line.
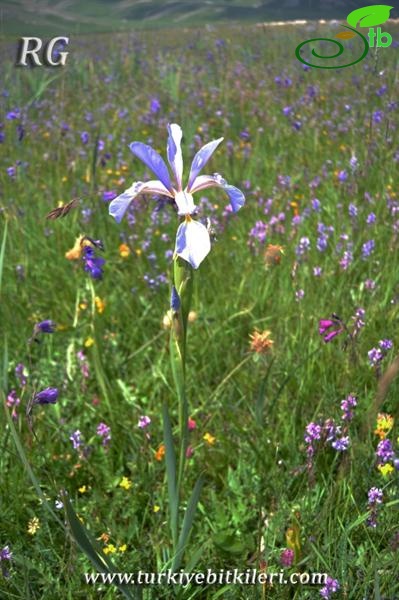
point(369, 16)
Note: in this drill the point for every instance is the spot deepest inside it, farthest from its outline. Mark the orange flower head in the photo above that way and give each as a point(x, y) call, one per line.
point(260, 341)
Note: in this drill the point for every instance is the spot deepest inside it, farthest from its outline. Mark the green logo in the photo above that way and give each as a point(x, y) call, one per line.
point(366, 17)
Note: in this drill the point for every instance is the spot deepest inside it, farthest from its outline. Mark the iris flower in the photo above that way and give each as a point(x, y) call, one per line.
point(192, 238)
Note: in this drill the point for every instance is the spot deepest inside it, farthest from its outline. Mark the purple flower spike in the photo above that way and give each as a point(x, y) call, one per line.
point(46, 396)
point(329, 329)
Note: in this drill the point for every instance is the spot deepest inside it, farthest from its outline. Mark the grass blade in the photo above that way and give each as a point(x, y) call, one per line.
point(170, 472)
point(188, 521)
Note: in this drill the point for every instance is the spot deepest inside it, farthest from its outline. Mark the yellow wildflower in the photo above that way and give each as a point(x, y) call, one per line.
point(109, 549)
point(386, 469)
point(122, 548)
point(89, 342)
point(384, 425)
point(33, 526)
point(125, 483)
point(124, 250)
point(210, 439)
point(156, 508)
point(100, 304)
point(82, 489)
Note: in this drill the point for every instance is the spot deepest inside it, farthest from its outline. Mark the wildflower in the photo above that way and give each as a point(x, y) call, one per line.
point(5, 553)
point(122, 548)
point(346, 406)
point(46, 326)
point(33, 526)
point(92, 263)
point(125, 483)
point(330, 328)
point(384, 425)
point(160, 453)
point(84, 365)
point(341, 444)
point(303, 246)
point(386, 469)
point(12, 402)
point(331, 586)
point(287, 557)
point(384, 451)
point(210, 439)
point(100, 304)
point(124, 250)
point(75, 252)
point(144, 421)
point(385, 345)
point(47, 396)
point(82, 489)
point(375, 497)
point(76, 439)
point(368, 249)
point(104, 431)
point(273, 254)
point(189, 451)
point(375, 356)
point(191, 424)
point(89, 342)
point(192, 238)
point(21, 374)
point(260, 341)
point(109, 549)
point(156, 508)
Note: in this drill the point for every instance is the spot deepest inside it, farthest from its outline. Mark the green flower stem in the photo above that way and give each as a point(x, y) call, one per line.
point(183, 282)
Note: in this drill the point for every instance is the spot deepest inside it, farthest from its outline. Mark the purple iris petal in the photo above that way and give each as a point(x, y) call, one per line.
point(46, 326)
point(153, 161)
point(119, 205)
point(192, 242)
point(200, 160)
point(174, 153)
point(237, 198)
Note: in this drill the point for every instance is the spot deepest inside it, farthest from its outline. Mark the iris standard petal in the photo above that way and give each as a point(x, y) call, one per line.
point(192, 242)
point(200, 160)
point(174, 152)
point(120, 204)
point(153, 161)
point(237, 198)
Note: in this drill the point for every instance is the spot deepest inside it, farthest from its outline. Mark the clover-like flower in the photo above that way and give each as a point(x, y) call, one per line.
point(192, 238)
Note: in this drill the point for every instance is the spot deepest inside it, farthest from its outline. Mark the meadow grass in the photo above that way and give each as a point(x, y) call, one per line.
point(259, 497)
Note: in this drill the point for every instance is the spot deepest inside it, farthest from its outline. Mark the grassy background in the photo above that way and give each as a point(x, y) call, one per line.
point(256, 486)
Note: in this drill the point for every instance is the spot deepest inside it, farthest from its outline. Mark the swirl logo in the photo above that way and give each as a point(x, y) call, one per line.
point(368, 16)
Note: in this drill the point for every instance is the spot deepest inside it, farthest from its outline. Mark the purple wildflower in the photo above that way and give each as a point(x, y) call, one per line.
point(384, 451)
point(375, 356)
point(5, 553)
point(287, 557)
point(76, 439)
point(303, 246)
point(385, 345)
point(104, 431)
point(92, 263)
point(368, 248)
point(341, 444)
point(144, 421)
point(20, 374)
point(46, 326)
point(47, 396)
point(375, 497)
point(331, 586)
point(347, 405)
point(329, 329)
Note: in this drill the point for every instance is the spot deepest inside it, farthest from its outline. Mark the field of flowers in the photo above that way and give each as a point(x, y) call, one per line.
point(226, 408)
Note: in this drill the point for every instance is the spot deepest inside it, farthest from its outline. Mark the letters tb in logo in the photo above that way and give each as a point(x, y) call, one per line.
point(30, 49)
